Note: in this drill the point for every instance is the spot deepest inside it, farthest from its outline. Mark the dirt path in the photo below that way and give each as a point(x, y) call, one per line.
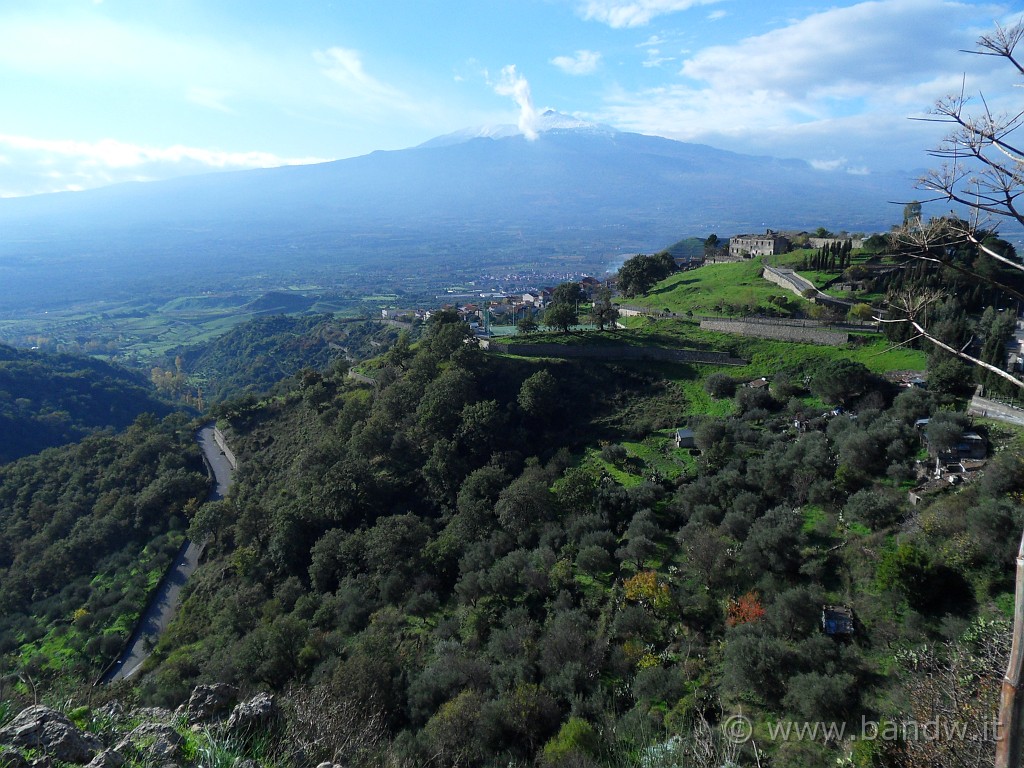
point(165, 600)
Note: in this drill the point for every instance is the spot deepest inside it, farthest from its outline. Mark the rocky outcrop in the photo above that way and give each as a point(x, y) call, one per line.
point(257, 715)
point(153, 742)
point(108, 758)
point(208, 703)
point(51, 733)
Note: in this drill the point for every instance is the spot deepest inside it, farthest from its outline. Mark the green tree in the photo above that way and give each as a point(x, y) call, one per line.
point(527, 324)
point(639, 273)
point(561, 317)
point(603, 312)
point(838, 381)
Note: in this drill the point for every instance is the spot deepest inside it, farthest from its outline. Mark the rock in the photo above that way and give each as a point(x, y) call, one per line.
point(112, 710)
point(153, 715)
point(154, 743)
point(52, 733)
point(257, 715)
point(108, 758)
point(208, 703)
point(11, 758)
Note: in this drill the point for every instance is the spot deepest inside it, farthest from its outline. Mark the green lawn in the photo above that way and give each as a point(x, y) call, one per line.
point(733, 288)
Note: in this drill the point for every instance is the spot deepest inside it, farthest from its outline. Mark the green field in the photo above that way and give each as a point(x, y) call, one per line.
point(734, 288)
point(143, 331)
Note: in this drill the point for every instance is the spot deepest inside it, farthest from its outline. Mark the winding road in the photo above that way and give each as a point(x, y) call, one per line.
point(164, 603)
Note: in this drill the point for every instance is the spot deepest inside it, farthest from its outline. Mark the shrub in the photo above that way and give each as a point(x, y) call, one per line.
point(720, 385)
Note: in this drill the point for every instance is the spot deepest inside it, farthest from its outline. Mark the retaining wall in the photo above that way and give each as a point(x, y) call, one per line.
point(218, 438)
point(616, 353)
point(783, 332)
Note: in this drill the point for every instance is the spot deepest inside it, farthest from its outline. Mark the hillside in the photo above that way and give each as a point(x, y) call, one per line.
point(255, 355)
point(471, 570)
point(86, 531)
point(48, 399)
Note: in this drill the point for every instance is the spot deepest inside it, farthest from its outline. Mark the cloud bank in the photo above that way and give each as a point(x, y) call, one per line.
point(618, 14)
point(64, 165)
point(838, 85)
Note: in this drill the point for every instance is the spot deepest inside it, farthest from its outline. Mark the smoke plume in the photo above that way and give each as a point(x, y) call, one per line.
point(515, 85)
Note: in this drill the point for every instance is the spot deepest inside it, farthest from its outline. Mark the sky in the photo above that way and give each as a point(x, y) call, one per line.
point(94, 92)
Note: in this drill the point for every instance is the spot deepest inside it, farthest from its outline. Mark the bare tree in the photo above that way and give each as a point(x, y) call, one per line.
point(982, 172)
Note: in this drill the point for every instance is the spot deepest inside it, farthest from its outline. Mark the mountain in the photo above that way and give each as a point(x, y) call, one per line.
point(462, 204)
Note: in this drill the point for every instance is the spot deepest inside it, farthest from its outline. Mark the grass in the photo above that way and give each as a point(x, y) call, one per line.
point(733, 288)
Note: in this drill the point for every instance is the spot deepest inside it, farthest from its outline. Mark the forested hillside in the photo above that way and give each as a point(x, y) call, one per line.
point(467, 562)
point(86, 531)
point(254, 356)
point(48, 400)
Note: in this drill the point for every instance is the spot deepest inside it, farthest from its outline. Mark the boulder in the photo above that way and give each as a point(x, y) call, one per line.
point(153, 743)
point(108, 758)
point(257, 715)
point(208, 703)
point(52, 733)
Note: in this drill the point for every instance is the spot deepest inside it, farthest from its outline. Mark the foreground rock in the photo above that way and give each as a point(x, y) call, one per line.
point(258, 715)
point(208, 703)
point(52, 733)
point(153, 742)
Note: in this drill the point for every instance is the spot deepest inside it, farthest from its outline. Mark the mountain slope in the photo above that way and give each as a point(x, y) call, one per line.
point(572, 192)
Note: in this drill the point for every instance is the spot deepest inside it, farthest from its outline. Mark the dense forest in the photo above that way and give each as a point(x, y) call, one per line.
point(86, 531)
point(434, 556)
point(48, 399)
point(254, 356)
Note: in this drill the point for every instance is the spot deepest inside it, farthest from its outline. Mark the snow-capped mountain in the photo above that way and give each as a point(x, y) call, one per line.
point(546, 122)
point(575, 193)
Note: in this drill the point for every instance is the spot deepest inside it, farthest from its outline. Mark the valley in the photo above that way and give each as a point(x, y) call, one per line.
point(676, 493)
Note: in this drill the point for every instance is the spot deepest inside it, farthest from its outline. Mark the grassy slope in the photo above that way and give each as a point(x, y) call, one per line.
point(732, 288)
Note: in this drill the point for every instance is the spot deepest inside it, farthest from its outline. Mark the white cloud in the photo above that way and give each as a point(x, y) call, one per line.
point(515, 85)
point(53, 165)
point(828, 165)
point(634, 13)
point(583, 63)
point(345, 67)
point(840, 83)
point(655, 59)
point(651, 41)
point(717, 15)
point(211, 98)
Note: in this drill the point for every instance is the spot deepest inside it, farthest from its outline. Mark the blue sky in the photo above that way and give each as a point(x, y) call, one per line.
point(102, 91)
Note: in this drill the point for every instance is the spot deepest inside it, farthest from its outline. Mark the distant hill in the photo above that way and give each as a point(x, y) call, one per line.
point(255, 355)
point(49, 400)
point(577, 194)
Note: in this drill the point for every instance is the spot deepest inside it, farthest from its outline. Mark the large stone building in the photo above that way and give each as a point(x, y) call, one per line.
point(748, 246)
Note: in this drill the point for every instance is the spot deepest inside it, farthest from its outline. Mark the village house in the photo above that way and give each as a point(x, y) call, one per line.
point(748, 246)
point(837, 620)
point(684, 438)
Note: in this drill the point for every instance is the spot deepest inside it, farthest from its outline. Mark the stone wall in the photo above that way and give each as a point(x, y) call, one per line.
point(783, 332)
point(218, 437)
point(616, 353)
point(992, 409)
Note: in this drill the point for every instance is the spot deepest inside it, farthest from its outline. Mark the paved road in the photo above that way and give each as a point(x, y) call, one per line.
point(998, 411)
point(164, 603)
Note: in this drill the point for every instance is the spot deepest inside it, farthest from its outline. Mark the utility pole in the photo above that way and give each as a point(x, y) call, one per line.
point(1008, 734)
